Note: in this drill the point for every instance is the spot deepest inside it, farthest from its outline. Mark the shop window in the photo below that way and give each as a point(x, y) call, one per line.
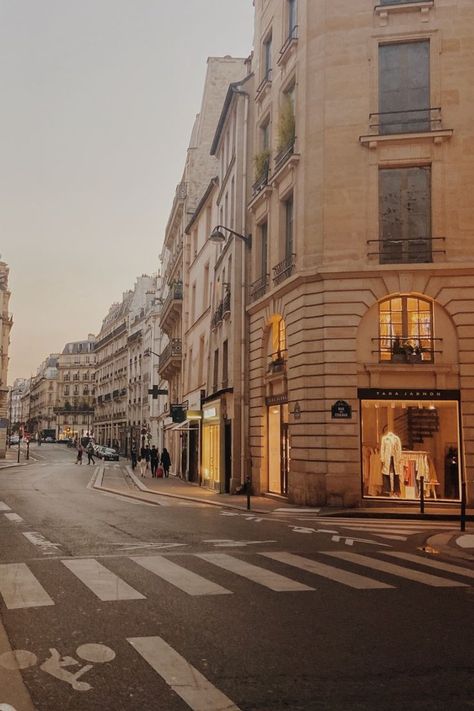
point(406, 330)
point(405, 215)
point(267, 58)
point(409, 446)
point(279, 352)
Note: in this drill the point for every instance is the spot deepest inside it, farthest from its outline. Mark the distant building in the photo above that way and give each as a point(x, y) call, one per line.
point(42, 398)
point(15, 410)
point(5, 327)
point(74, 407)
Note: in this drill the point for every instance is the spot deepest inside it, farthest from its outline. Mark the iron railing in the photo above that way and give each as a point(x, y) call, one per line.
point(222, 309)
point(284, 269)
point(292, 37)
point(406, 250)
point(406, 121)
point(262, 180)
point(259, 287)
point(284, 154)
point(267, 79)
point(406, 349)
point(278, 361)
point(174, 349)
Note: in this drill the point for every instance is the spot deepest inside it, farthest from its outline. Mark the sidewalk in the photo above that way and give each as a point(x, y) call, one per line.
point(12, 457)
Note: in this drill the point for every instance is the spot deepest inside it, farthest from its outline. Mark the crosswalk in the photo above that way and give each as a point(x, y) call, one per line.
point(390, 529)
point(276, 571)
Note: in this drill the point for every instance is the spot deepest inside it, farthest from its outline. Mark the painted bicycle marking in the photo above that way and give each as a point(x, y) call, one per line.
point(57, 665)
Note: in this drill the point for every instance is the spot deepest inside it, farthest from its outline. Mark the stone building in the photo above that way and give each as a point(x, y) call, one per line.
point(361, 330)
point(200, 167)
point(74, 407)
point(40, 418)
point(5, 327)
point(15, 409)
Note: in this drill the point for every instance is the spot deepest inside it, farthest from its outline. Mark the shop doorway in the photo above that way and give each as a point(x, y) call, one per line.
point(193, 453)
point(278, 449)
point(227, 456)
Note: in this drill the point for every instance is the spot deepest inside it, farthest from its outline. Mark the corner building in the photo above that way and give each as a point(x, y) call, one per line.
point(362, 284)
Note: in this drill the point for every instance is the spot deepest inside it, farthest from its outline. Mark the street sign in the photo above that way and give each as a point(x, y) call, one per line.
point(341, 410)
point(155, 391)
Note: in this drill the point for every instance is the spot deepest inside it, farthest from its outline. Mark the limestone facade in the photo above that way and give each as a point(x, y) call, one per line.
point(74, 407)
point(363, 227)
point(42, 398)
point(15, 409)
point(5, 327)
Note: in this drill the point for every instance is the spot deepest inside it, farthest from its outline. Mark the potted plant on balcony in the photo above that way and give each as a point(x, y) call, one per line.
point(262, 163)
point(286, 128)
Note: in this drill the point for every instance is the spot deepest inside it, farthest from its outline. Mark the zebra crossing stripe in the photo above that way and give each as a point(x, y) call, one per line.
point(19, 587)
point(180, 577)
point(4, 506)
point(360, 582)
point(185, 680)
point(104, 584)
point(13, 517)
point(439, 565)
point(383, 566)
point(264, 577)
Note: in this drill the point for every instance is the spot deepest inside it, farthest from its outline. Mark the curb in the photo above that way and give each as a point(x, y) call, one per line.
point(12, 687)
point(445, 543)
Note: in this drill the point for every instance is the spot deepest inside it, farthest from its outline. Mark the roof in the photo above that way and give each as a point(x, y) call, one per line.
point(234, 88)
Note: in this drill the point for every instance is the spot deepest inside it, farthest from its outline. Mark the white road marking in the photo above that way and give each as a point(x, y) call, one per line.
point(195, 690)
point(229, 543)
point(439, 565)
point(37, 539)
point(415, 575)
point(296, 511)
point(185, 580)
point(360, 582)
point(139, 546)
point(262, 576)
point(20, 588)
point(104, 584)
point(13, 517)
point(4, 506)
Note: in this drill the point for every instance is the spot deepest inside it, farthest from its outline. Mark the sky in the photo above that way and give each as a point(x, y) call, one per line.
point(98, 99)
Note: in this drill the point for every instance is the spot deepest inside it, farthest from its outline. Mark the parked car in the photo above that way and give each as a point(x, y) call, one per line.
point(110, 455)
point(14, 439)
point(49, 439)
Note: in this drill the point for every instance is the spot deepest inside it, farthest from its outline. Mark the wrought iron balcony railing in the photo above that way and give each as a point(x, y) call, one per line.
point(284, 269)
point(267, 79)
point(406, 121)
point(278, 362)
point(259, 287)
point(284, 154)
point(262, 180)
point(290, 40)
point(406, 250)
point(406, 349)
point(174, 349)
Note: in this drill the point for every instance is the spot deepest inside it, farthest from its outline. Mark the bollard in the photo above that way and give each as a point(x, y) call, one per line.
point(422, 494)
point(247, 488)
point(463, 506)
point(28, 449)
point(18, 456)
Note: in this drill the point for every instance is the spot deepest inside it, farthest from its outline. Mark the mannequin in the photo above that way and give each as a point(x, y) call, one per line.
point(390, 456)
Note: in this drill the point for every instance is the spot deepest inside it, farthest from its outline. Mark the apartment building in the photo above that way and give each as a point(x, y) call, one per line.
point(5, 327)
point(200, 168)
point(362, 298)
point(15, 410)
point(74, 407)
point(42, 399)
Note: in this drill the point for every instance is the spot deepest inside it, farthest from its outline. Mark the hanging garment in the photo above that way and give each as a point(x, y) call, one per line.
point(391, 446)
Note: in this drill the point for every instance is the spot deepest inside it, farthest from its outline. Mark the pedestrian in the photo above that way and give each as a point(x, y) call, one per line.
point(142, 464)
point(80, 450)
point(154, 459)
point(147, 456)
point(133, 456)
point(166, 461)
point(142, 452)
point(90, 453)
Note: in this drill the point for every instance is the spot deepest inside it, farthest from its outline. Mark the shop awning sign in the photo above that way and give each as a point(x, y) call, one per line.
point(178, 413)
point(341, 410)
point(407, 394)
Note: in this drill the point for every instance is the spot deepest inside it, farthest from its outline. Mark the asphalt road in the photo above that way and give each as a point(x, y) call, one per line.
point(118, 604)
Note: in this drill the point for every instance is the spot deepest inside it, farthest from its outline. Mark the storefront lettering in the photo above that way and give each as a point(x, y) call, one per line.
point(399, 394)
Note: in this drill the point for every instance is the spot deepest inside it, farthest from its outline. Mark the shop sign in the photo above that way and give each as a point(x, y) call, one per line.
point(341, 410)
point(402, 394)
point(209, 412)
point(178, 413)
point(193, 414)
point(280, 399)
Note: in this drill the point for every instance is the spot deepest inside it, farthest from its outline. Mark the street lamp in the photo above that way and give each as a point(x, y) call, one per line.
point(217, 235)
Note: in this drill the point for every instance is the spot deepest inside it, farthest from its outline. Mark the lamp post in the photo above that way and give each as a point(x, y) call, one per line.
point(220, 235)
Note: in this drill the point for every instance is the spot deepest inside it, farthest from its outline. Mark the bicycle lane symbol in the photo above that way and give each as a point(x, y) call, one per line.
point(57, 666)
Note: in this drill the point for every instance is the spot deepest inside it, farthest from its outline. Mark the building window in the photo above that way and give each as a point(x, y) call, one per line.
point(215, 378)
point(405, 215)
point(288, 209)
point(406, 330)
point(292, 18)
point(225, 363)
point(404, 87)
point(267, 59)
point(263, 230)
point(265, 134)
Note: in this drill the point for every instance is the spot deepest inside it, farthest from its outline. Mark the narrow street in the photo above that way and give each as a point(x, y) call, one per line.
point(181, 606)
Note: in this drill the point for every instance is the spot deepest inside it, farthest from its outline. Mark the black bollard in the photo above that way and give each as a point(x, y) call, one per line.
point(463, 506)
point(422, 494)
point(247, 488)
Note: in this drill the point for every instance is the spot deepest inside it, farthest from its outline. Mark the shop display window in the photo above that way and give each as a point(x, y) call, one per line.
point(406, 333)
point(406, 443)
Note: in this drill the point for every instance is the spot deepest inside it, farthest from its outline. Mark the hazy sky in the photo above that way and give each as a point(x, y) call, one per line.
point(98, 98)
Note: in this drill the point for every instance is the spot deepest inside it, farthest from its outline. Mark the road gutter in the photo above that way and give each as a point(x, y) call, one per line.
point(12, 687)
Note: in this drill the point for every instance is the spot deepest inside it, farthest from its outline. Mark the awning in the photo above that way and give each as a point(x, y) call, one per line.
point(186, 426)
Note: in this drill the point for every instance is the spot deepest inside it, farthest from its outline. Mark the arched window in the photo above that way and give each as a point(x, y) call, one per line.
point(406, 329)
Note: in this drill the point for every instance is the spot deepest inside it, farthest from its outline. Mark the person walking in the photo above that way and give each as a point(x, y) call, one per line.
point(166, 461)
point(142, 465)
point(133, 456)
point(154, 459)
point(147, 456)
point(90, 453)
point(80, 450)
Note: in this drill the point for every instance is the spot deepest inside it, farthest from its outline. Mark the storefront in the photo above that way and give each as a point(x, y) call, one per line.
point(211, 445)
point(411, 438)
point(278, 444)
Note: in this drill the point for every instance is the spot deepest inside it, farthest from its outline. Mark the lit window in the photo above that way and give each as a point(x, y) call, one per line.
point(406, 329)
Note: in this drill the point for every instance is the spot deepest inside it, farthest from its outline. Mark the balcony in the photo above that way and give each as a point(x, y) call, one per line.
point(170, 359)
point(284, 269)
point(264, 85)
point(288, 46)
point(406, 349)
point(172, 307)
point(406, 250)
point(277, 364)
point(259, 287)
point(222, 311)
point(263, 173)
point(398, 125)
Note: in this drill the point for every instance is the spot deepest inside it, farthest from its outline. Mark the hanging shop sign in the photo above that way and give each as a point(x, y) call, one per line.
point(407, 394)
point(194, 415)
point(178, 413)
point(297, 411)
point(341, 410)
point(280, 399)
